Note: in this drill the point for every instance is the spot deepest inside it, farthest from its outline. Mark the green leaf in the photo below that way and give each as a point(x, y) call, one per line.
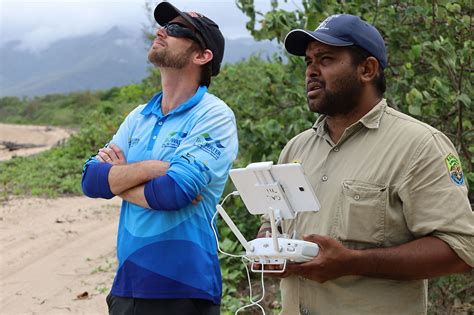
point(465, 99)
point(415, 51)
point(414, 110)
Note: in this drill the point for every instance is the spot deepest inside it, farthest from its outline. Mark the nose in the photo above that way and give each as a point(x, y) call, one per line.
point(160, 31)
point(312, 71)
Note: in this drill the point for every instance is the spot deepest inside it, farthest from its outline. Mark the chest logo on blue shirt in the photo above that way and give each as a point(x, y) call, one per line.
point(209, 145)
point(132, 142)
point(173, 140)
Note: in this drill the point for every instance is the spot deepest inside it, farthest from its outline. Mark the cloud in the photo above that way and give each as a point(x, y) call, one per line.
point(39, 23)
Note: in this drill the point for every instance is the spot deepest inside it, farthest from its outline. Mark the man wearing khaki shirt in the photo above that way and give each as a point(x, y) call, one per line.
point(394, 206)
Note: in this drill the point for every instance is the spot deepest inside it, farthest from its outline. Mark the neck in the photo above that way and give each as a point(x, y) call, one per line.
point(339, 123)
point(178, 87)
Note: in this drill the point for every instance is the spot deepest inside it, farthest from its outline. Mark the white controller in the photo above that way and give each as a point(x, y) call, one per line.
point(296, 251)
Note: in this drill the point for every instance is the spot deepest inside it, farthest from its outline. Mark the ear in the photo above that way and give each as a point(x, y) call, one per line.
point(369, 69)
point(203, 57)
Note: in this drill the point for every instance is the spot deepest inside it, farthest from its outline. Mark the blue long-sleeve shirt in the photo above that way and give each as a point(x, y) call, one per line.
point(173, 254)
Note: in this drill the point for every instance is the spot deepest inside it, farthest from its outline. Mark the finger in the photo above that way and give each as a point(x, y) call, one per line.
point(197, 200)
point(266, 232)
point(103, 153)
point(112, 154)
point(277, 271)
point(315, 238)
point(99, 158)
point(269, 267)
point(104, 156)
point(109, 153)
point(274, 267)
point(117, 151)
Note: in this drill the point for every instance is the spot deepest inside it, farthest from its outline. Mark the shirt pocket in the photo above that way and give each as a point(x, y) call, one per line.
point(361, 214)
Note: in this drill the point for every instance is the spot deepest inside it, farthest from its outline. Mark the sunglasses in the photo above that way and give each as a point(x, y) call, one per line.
point(179, 30)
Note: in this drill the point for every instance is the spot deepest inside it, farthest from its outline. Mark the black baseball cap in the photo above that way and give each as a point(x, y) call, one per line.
point(208, 29)
point(340, 30)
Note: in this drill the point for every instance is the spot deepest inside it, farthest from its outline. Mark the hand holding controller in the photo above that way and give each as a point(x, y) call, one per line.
point(292, 250)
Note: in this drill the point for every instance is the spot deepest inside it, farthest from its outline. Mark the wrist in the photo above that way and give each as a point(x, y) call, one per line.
point(355, 262)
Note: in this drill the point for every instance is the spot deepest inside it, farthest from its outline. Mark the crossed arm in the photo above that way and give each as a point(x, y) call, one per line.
point(128, 180)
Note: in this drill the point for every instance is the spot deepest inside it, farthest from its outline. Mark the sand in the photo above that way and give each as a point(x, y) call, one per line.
point(57, 256)
point(44, 137)
point(53, 250)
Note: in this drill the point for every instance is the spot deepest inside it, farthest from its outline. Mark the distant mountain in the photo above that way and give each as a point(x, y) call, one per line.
point(240, 49)
point(92, 62)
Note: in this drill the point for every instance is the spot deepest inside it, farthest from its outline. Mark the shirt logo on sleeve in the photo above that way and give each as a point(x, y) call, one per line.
point(454, 169)
point(209, 145)
point(173, 140)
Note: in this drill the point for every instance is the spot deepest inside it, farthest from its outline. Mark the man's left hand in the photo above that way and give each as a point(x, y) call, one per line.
point(333, 261)
point(112, 155)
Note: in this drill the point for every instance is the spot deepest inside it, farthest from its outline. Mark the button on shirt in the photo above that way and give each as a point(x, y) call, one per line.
point(383, 184)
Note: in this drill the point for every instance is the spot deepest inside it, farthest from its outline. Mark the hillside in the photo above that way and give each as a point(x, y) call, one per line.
point(92, 62)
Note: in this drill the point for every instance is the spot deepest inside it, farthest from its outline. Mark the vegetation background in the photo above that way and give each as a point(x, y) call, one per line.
point(430, 76)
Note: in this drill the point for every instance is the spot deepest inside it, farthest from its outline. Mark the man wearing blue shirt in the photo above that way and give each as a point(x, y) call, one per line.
point(169, 162)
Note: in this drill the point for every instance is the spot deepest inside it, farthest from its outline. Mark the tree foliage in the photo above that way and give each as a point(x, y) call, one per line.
point(430, 48)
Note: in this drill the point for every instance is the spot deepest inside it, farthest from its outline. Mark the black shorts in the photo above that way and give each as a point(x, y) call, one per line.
point(131, 306)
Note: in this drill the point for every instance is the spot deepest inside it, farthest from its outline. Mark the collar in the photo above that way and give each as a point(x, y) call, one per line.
point(154, 104)
point(371, 120)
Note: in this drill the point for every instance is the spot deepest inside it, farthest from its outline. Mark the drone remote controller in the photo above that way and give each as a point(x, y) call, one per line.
point(280, 191)
point(296, 251)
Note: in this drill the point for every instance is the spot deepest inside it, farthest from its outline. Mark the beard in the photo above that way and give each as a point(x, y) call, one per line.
point(340, 101)
point(169, 59)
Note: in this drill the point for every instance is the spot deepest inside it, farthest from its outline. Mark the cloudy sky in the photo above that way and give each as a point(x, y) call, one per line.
point(38, 23)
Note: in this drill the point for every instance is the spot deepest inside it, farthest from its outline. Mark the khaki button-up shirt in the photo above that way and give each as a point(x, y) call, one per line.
point(388, 181)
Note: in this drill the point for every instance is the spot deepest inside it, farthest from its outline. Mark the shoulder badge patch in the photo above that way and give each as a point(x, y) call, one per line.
point(454, 169)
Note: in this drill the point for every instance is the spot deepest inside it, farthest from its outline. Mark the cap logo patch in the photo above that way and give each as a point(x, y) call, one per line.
point(454, 169)
point(194, 14)
point(323, 25)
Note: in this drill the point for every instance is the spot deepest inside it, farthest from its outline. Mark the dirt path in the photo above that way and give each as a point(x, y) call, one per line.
point(54, 250)
point(40, 138)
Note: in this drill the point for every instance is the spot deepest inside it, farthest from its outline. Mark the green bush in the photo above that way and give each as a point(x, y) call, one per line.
point(58, 171)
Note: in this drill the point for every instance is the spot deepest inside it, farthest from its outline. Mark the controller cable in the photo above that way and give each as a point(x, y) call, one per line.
point(245, 259)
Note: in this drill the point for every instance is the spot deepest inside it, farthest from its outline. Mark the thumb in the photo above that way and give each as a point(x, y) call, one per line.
point(315, 238)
